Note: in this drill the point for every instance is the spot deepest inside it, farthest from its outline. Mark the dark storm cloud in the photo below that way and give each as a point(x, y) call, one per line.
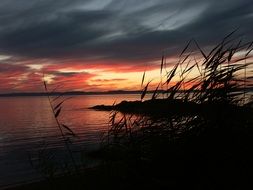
point(67, 74)
point(11, 68)
point(119, 29)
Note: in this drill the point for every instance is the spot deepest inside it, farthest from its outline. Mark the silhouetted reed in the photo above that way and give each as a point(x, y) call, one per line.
point(195, 131)
point(215, 116)
point(221, 77)
point(46, 161)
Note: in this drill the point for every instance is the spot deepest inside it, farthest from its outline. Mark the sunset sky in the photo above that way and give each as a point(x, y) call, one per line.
point(100, 45)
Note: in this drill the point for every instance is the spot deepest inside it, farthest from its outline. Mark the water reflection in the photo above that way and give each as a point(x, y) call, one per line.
point(27, 122)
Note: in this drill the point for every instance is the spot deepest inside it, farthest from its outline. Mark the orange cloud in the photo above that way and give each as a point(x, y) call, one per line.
point(26, 75)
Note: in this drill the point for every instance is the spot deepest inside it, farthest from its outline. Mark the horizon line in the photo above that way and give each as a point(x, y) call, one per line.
point(12, 94)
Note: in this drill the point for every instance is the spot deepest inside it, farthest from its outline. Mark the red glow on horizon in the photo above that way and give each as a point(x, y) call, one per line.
point(73, 75)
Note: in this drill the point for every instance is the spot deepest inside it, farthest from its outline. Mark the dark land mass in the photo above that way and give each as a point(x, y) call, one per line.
point(199, 146)
point(166, 107)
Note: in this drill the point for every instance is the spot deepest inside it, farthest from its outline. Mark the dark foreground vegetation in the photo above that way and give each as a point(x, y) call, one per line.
point(199, 135)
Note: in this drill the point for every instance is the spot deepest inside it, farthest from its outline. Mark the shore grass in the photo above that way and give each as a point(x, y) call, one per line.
point(200, 133)
point(198, 136)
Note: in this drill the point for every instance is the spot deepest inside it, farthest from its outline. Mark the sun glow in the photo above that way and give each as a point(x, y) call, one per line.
point(49, 79)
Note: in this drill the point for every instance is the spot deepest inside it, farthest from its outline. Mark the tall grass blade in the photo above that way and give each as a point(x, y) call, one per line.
point(172, 73)
point(186, 47)
point(155, 92)
point(246, 55)
point(204, 55)
point(59, 104)
point(145, 90)
point(57, 112)
point(66, 127)
point(162, 62)
point(143, 78)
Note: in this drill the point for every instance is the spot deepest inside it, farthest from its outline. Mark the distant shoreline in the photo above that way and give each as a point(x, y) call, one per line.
point(68, 93)
point(74, 93)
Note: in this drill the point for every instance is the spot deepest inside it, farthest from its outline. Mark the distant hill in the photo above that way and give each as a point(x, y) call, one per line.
point(68, 93)
point(73, 93)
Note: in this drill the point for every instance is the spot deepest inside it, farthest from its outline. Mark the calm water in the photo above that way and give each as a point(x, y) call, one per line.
point(27, 125)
